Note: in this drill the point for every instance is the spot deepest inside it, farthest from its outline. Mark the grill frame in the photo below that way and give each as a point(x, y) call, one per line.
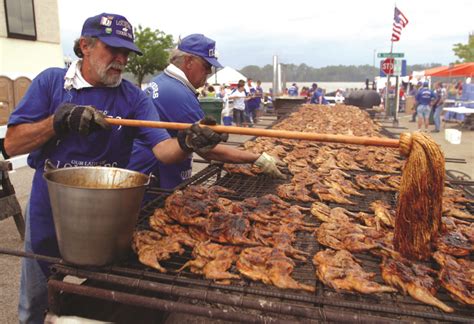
point(325, 304)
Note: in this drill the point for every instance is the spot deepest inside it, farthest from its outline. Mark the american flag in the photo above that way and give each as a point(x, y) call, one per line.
point(399, 22)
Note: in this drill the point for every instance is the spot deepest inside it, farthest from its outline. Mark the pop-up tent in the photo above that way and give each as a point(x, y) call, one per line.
point(458, 70)
point(430, 72)
point(227, 75)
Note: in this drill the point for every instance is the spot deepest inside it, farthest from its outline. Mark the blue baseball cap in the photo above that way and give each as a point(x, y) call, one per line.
point(425, 84)
point(114, 30)
point(201, 46)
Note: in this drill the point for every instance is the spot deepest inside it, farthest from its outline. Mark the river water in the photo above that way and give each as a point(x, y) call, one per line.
point(328, 86)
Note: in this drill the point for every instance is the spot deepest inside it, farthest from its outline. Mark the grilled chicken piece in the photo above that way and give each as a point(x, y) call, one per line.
point(394, 181)
point(346, 161)
point(341, 271)
point(343, 235)
point(213, 261)
point(193, 205)
point(296, 192)
point(270, 208)
point(245, 169)
point(452, 223)
point(330, 194)
point(412, 278)
point(382, 163)
point(345, 189)
point(177, 233)
point(198, 233)
point(455, 196)
point(229, 228)
point(152, 248)
point(454, 242)
point(457, 277)
point(383, 213)
point(279, 236)
point(372, 182)
point(160, 218)
point(338, 214)
point(188, 210)
point(455, 210)
point(327, 214)
point(271, 266)
point(142, 238)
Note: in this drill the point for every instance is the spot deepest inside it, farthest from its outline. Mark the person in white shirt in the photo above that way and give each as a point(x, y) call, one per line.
point(239, 96)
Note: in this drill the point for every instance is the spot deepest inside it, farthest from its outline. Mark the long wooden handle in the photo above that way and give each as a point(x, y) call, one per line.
point(360, 140)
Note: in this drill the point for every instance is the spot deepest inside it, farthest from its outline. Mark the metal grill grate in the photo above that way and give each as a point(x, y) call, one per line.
point(396, 306)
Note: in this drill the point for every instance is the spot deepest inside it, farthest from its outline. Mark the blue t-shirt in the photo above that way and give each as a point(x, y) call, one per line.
point(253, 103)
point(293, 91)
point(101, 148)
point(175, 102)
point(424, 96)
point(315, 97)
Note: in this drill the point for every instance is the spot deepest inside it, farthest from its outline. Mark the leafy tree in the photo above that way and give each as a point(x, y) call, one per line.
point(154, 46)
point(465, 51)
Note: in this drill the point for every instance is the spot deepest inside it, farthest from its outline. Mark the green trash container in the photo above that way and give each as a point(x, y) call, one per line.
point(212, 107)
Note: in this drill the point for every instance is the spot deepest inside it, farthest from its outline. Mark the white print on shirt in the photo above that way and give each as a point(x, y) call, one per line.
point(75, 163)
point(186, 174)
point(154, 89)
point(110, 116)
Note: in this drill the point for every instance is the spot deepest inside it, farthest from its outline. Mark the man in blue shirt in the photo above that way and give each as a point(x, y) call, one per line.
point(293, 90)
point(318, 96)
point(424, 99)
point(175, 98)
point(57, 121)
point(252, 103)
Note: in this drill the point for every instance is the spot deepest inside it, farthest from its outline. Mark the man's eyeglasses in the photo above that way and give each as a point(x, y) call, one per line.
point(205, 64)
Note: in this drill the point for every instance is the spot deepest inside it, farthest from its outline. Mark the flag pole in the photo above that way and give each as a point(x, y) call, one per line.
point(397, 84)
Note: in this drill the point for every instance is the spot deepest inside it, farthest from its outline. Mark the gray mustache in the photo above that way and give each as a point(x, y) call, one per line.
point(117, 66)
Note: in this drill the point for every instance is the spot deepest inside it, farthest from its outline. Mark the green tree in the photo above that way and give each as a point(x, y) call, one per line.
point(154, 46)
point(465, 51)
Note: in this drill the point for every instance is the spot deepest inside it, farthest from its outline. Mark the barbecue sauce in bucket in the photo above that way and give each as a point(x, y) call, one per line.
point(95, 210)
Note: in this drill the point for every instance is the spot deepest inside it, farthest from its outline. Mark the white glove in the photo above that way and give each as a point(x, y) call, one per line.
point(269, 165)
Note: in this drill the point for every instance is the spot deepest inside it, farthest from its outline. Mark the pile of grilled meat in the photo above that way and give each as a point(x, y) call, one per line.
point(255, 238)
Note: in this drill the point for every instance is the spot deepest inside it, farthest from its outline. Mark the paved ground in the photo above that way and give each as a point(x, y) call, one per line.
point(21, 179)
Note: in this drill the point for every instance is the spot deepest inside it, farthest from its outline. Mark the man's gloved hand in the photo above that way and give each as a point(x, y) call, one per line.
point(269, 165)
point(84, 120)
point(200, 139)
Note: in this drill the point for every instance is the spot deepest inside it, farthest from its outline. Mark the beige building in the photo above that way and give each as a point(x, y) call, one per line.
point(29, 43)
point(29, 37)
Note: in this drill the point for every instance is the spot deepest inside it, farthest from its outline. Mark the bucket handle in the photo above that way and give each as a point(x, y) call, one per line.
point(150, 177)
point(49, 166)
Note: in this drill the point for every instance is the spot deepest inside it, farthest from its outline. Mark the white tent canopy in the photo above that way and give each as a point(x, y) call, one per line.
point(227, 75)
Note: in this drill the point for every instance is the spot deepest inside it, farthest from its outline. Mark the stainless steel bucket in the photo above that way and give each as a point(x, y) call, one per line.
point(95, 210)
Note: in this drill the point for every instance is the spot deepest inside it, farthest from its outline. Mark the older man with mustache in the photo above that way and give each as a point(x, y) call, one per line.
point(57, 120)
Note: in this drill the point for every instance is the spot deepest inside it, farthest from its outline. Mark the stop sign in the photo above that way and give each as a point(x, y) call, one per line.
point(388, 65)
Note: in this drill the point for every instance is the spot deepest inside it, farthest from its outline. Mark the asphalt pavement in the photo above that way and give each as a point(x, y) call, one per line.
point(21, 180)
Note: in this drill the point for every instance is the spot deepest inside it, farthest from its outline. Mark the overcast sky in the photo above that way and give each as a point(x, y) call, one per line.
point(317, 33)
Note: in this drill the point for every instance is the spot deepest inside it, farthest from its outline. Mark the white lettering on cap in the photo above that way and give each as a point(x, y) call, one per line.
point(211, 52)
point(105, 21)
point(123, 23)
point(124, 34)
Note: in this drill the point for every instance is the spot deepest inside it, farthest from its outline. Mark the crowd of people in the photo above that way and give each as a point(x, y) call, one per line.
point(428, 105)
point(245, 101)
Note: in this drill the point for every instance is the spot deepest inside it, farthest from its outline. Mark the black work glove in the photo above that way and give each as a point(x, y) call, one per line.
point(84, 120)
point(200, 139)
